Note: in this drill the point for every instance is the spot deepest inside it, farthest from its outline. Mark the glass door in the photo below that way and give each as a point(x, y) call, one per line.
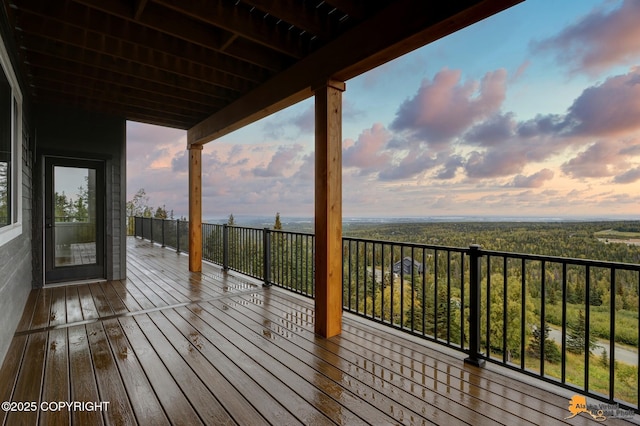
point(74, 219)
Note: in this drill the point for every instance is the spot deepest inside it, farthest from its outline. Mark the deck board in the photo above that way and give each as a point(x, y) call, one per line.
point(166, 346)
point(82, 379)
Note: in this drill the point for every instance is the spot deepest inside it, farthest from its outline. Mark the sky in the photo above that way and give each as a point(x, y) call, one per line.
point(532, 112)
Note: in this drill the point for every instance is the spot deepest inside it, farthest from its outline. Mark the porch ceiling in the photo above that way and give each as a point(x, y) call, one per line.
point(215, 64)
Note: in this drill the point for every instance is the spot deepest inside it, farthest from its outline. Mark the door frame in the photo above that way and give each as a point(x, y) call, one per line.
point(57, 274)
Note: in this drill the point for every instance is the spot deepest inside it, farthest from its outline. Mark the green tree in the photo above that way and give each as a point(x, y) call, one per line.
point(81, 212)
point(138, 205)
point(604, 359)
point(277, 224)
point(551, 350)
point(161, 213)
point(577, 336)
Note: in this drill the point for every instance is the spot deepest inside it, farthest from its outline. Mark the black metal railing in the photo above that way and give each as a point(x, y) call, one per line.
point(167, 232)
point(539, 315)
point(280, 258)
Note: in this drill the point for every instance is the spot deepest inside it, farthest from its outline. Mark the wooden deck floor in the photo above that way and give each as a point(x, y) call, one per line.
point(167, 346)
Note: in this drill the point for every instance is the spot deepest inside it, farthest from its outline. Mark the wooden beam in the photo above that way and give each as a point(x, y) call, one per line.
point(328, 208)
point(195, 208)
point(406, 24)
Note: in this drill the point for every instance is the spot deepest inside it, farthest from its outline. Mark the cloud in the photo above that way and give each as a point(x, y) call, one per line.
point(598, 160)
point(281, 163)
point(629, 176)
point(445, 107)
point(535, 180)
point(494, 131)
point(450, 167)
point(367, 153)
point(413, 164)
point(495, 163)
point(608, 109)
point(521, 70)
point(598, 41)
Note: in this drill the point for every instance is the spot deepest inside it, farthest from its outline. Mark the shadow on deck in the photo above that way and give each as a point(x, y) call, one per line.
point(169, 346)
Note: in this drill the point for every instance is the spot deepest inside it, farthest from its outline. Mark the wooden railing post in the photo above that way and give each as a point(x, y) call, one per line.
point(163, 245)
point(474, 357)
point(151, 227)
point(266, 256)
point(225, 247)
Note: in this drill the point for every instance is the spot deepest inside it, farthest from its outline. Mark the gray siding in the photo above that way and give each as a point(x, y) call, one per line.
point(16, 259)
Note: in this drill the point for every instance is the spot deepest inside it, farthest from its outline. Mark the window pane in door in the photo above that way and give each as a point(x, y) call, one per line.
point(75, 216)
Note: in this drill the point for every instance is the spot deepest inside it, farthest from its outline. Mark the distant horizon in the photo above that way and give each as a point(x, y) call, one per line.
point(434, 218)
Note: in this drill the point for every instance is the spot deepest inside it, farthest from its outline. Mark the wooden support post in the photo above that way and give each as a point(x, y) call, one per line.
point(328, 208)
point(195, 208)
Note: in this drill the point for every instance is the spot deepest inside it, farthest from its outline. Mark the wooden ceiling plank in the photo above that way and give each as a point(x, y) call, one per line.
point(185, 28)
point(223, 14)
point(98, 104)
point(117, 48)
point(95, 97)
point(408, 24)
point(125, 111)
point(136, 96)
point(81, 17)
point(55, 65)
point(124, 68)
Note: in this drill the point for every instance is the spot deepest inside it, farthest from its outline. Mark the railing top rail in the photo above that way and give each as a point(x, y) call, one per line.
point(410, 245)
point(559, 259)
point(282, 231)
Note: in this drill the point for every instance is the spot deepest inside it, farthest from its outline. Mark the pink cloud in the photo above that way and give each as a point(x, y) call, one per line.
point(599, 40)
point(445, 107)
point(599, 160)
point(535, 180)
point(368, 152)
point(611, 108)
point(495, 163)
point(281, 163)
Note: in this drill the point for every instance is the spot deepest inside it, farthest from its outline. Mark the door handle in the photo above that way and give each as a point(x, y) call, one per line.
point(48, 225)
